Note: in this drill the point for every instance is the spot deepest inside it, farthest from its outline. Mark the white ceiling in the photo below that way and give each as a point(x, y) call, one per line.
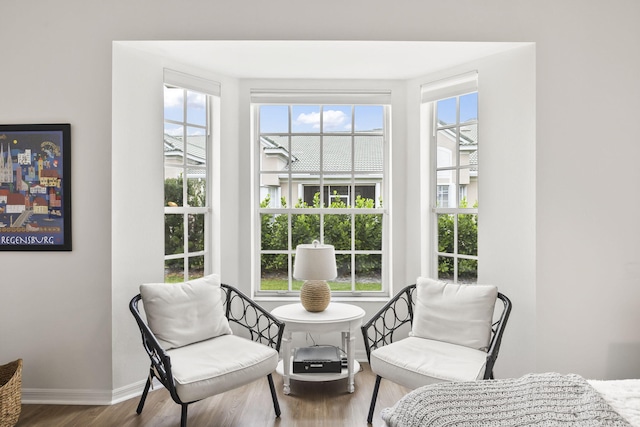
point(323, 59)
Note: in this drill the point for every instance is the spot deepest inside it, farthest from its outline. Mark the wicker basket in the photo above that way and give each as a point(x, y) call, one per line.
point(10, 393)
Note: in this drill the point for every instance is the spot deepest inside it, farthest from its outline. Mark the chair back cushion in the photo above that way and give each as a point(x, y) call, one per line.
point(180, 314)
point(453, 313)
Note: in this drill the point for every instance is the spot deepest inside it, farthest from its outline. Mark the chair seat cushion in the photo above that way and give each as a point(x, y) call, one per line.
point(414, 362)
point(219, 364)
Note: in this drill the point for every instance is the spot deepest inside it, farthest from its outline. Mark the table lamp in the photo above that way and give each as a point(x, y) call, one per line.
point(315, 264)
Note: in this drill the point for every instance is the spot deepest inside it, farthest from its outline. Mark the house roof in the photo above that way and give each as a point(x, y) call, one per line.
point(337, 152)
point(196, 147)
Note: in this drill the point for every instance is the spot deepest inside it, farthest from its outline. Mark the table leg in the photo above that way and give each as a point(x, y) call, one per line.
point(350, 338)
point(286, 360)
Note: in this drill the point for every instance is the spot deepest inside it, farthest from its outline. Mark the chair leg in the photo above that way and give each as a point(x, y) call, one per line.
point(183, 416)
point(374, 397)
point(144, 396)
point(274, 396)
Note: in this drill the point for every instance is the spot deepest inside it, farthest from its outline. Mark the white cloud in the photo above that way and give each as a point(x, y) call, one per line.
point(174, 98)
point(333, 120)
point(196, 100)
point(309, 119)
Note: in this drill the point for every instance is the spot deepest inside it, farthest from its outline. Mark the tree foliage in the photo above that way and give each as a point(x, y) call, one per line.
point(174, 223)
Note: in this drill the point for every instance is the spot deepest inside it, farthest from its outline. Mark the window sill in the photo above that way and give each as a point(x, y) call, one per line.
point(294, 298)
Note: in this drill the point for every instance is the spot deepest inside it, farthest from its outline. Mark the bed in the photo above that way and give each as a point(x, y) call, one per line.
point(540, 400)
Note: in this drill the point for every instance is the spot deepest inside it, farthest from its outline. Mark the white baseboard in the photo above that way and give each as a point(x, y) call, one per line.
point(101, 397)
point(84, 397)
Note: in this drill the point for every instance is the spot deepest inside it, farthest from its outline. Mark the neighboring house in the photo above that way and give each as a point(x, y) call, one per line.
point(304, 164)
point(446, 150)
point(174, 154)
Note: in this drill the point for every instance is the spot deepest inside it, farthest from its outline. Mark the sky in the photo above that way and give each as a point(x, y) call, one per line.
point(173, 110)
point(307, 118)
point(468, 109)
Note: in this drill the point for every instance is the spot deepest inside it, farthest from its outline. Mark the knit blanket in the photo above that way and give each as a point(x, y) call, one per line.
point(540, 400)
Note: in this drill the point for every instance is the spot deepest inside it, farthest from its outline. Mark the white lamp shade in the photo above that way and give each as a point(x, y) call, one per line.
point(315, 262)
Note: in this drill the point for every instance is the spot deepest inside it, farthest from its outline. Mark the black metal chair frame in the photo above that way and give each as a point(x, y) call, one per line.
point(240, 310)
point(381, 330)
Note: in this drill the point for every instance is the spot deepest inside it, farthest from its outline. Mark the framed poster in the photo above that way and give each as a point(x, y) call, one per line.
point(35, 187)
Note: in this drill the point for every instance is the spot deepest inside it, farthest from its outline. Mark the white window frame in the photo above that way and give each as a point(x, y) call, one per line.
point(431, 93)
point(322, 98)
point(211, 90)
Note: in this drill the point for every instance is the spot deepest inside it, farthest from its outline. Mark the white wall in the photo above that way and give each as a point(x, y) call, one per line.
point(506, 151)
point(56, 308)
point(138, 200)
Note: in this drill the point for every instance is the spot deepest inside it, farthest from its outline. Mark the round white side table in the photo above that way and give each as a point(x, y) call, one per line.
point(337, 317)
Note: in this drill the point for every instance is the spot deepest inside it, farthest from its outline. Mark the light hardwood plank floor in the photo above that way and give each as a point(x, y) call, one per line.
point(310, 404)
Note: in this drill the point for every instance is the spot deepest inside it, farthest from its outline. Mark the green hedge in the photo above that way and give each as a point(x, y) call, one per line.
point(305, 228)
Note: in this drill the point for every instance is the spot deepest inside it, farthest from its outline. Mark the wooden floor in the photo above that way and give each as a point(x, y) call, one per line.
point(310, 404)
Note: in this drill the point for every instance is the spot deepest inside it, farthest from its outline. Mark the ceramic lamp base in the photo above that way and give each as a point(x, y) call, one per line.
point(315, 295)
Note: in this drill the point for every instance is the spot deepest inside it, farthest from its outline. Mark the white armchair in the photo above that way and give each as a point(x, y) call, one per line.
point(434, 332)
point(189, 341)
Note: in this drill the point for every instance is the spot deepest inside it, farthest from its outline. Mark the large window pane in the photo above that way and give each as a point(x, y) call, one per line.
point(456, 189)
point(310, 167)
point(185, 175)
